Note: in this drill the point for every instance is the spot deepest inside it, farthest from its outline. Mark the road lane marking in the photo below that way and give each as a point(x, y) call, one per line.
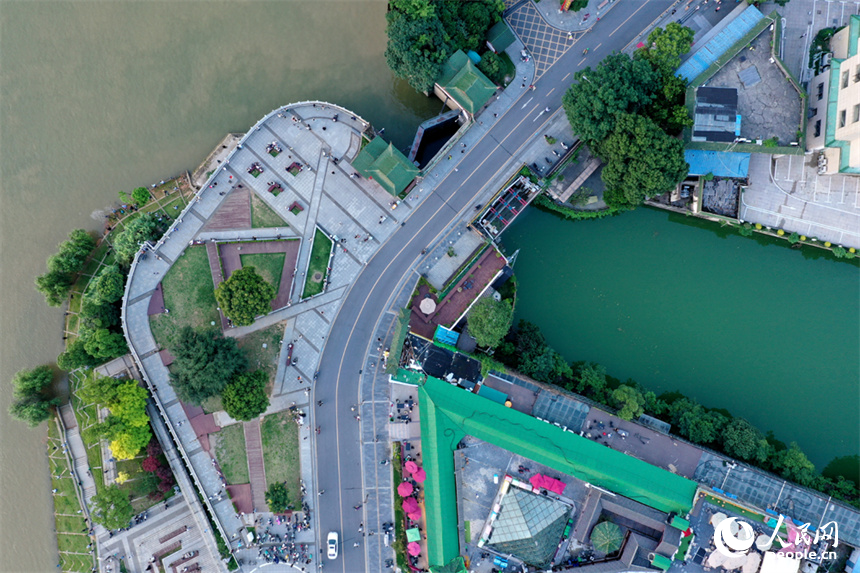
point(523, 107)
point(598, 45)
point(628, 18)
point(580, 62)
point(550, 91)
point(567, 76)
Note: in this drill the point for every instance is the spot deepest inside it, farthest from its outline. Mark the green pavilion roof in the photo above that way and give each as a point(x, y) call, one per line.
point(386, 165)
point(500, 36)
point(466, 83)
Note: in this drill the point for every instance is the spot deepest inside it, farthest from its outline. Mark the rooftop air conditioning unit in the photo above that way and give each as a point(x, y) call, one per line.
point(825, 60)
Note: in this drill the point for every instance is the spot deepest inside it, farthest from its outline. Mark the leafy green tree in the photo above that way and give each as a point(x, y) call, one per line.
point(577, 5)
point(654, 405)
point(744, 441)
point(466, 23)
point(592, 381)
point(546, 366)
point(75, 356)
point(792, 464)
point(95, 314)
point(642, 161)
point(30, 404)
point(416, 49)
point(55, 286)
point(203, 364)
point(629, 401)
point(108, 286)
point(278, 498)
point(491, 66)
point(694, 422)
point(72, 253)
point(100, 390)
point(619, 85)
point(112, 508)
point(140, 196)
point(244, 296)
point(490, 320)
point(668, 109)
point(146, 227)
point(105, 345)
point(530, 339)
point(245, 397)
point(666, 46)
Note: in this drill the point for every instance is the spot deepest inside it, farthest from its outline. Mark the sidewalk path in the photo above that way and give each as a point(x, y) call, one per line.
point(256, 467)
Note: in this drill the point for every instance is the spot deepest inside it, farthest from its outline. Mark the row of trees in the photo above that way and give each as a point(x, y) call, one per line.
point(526, 350)
point(629, 111)
point(423, 34)
point(64, 266)
point(206, 364)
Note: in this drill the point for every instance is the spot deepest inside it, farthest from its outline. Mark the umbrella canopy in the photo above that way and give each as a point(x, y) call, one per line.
point(405, 488)
point(640, 45)
point(410, 505)
point(420, 475)
point(606, 537)
point(410, 466)
point(752, 563)
point(716, 559)
point(762, 542)
point(734, 562)
point(413, 534)
point(416, 516)
point(734, 528)
point(427, 306)
point(718, 518)
point(413, 549)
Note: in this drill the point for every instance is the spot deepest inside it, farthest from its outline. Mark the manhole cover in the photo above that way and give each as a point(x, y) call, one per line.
point(317, 277)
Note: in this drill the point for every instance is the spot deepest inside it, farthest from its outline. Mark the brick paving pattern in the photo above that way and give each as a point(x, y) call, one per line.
point(234, 212)
point(256, 467)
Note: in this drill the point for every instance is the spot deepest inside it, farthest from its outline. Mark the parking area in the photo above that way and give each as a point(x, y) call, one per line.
point(787, 193)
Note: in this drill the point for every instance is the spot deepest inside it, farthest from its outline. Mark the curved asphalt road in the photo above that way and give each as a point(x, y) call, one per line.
point(338, 446)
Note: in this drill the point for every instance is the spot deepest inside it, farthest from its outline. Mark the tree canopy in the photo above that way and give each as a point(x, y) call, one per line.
point(140, 196)
point(744, 441)
point(204, 363)
point(127, 426)
point(245, 296)
point(490, 320)
point(62, 266)
point(278, 498)
point(108, 285)
point(244, 397)
point(422, 35)
point(666, 46)
point(629, 401)
point(642, 161)
point(792, 464)
point(145, 227)
point(30, 404)
point(619, 85)
point(112, 508)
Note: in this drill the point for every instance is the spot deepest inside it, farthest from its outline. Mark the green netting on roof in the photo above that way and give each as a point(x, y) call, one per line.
point(661, 561)
point(500, 36)
point(386, 165)
point(465, 83)
point(454, 566)
point(448, 413)
point(680, 523)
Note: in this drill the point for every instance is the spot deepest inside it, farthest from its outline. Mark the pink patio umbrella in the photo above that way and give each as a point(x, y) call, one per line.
point(405, 488)
point(410, 467)
point(414, 516)
point(420, 475)
point(414, 549)
point(410, 505)
point(640, 45)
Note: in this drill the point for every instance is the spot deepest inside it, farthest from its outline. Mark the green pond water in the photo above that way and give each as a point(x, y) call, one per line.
point(680, 304)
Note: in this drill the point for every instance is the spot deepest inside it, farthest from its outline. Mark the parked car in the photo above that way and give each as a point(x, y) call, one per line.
point(331, 543)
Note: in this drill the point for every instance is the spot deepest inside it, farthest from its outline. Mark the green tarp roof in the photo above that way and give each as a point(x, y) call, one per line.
point(449, 413)
point(661, 561)
point(385, 164)
point(465, 83)
point(500, 36)
point(680, 523)
point(454, 566)
point(493, 394)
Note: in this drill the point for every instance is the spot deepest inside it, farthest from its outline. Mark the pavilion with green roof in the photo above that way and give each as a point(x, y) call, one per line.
point(449, 413)
point(464, 83)
point(386, 165)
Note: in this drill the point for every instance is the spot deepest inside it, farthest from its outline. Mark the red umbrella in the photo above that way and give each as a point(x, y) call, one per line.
point(414, 549)
point(410, 505)
point(405, 488)
point(640, 45)
point(411, 466)
point(414, 516)
point(420, 475)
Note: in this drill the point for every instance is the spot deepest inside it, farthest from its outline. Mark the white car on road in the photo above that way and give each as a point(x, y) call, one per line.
point(331, 543)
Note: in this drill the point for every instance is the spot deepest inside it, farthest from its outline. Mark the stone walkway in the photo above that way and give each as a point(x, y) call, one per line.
point(256, 467)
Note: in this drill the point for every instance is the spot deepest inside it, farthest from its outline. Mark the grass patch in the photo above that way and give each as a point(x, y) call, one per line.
point(509, 70)
point(230, 451)
point(317, 268)
point(280, 436)
point(260, 358)
point(212, 404)
point(73, 543)
point(263, 216)
point(188, 295)
point(77, 563)
point(270, 266)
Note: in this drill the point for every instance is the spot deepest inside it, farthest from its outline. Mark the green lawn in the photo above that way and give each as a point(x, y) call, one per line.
point(262, 216)
point(280, 436)
point(188, 295)
point(76, 563)
point(319, 263)
point(230, 451)
point(270, 266)
point(259, 357)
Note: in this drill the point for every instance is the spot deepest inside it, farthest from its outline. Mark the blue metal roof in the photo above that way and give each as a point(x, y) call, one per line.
point(446, 336)
point(720, 163)
point(705, 56)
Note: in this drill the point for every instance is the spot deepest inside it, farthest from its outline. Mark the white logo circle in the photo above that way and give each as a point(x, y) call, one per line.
point(737, 544)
